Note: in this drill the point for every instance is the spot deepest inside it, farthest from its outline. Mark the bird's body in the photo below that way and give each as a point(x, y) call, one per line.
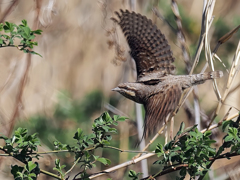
point(156, 86)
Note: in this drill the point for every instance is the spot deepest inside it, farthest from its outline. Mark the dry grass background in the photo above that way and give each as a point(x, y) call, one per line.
point(76, 56)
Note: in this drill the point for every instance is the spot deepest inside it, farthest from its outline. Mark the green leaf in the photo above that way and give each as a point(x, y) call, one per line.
point(228, 138)
point(220, 150)
point(37, 32)
point(183, 172)
point(7, 27)
point(27, 31)
point(176, 148)
point(107, 117)
point(159, 150)
point(24, 22)
point(122, 118)
point(31, 37)
point(106, 128)
point(30, 166)
point(32, 175)
point(15, 170)
point(62, 166)
point(182, 126)
point(115, 117)
point(56, 169)
point(3, 137)
point(210, 142)
point(79, 134)
point(113, 130)
point(233, 149)
point(207, 133)
point(190, 128)
point(1, 26)
point(193, 134)
point(225, 124)
point(57, 162)
point(212, 150)
point(1, 41)
point(33, 52)
point(133, 175)
point(5, 36)
point(91, 136)
point(21, 132)
point(105, 161)
point(115, 123)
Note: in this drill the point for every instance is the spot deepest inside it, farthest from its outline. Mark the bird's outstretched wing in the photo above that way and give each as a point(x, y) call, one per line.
point(149, 47)
point(159, 106)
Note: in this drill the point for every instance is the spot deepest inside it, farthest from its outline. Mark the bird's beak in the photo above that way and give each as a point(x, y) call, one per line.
point(116, 89)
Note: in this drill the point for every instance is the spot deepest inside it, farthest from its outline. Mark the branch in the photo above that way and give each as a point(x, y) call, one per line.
point(18, 100)
point(8, 10)
point(172, 168)
point(128, 163)
point(42, 171)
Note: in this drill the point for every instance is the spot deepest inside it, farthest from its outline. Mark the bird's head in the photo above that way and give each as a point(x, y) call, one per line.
point(130, 91)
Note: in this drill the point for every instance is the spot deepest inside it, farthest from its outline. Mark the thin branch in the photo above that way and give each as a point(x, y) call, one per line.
point(186, 57)
point(181, 36)
point(130, 151)
point(177, 167)
point(8, 10)
point(160, 16)
point(74, 164)
point(167, 170)
point(232, 74)
point(220, 123)
point(42, 171)
point(8, 78)
point(50, 174)
point(18, 100)
point(208, 54)
point(114, 110)
point(125, 164)
point(233, 89)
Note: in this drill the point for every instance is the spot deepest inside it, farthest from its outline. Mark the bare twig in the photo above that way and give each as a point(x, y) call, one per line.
point(18, 100)
point(8, 10)
point(232, 74)
point(114, 110)
point(160, 16)
point(128, 163)
point(22, 84)
point(9, 77)
point(139, 113)
point(186, 57)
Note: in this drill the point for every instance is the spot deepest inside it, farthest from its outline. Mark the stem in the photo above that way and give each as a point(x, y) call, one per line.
point(50, 174)
point(75, 163)
point(130, 151)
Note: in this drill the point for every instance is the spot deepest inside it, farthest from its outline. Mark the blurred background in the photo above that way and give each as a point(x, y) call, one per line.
point(83, 58)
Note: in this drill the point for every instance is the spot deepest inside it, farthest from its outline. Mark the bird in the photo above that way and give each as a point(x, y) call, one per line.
point(157, 87)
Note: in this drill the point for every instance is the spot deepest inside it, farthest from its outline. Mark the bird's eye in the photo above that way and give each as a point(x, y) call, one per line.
point(152, 82)
point(151, 69)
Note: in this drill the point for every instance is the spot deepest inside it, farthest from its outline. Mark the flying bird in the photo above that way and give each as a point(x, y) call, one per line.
point(156, 87)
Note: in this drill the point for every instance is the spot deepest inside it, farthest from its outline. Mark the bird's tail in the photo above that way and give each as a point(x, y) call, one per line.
point(201, 78)
point(195, 79)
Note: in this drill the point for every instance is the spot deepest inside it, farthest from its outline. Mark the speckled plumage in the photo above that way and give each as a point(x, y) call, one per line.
point(156, 86)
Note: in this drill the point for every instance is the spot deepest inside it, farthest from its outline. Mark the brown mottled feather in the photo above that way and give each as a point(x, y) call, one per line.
point(149, 47)
point(159, 106)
